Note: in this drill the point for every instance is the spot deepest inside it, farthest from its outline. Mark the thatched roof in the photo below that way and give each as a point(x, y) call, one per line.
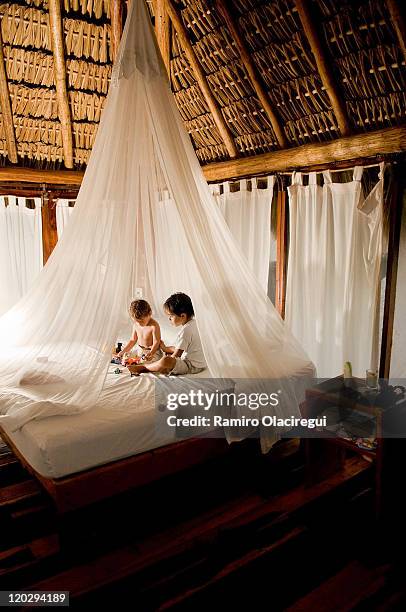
point(283, 85)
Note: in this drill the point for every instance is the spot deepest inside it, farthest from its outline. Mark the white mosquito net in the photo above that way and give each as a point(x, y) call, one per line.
point(144, 222)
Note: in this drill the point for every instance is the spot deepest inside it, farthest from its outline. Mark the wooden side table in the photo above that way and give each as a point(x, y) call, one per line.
point(325, 450)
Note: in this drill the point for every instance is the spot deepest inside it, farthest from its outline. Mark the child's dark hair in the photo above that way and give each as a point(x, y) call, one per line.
point(178, 304)
point(139, 309)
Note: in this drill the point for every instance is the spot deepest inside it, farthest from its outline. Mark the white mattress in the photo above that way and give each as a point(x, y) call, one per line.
point(123, 423)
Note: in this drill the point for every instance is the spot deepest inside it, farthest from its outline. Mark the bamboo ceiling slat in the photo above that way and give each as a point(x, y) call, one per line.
point(255, 143)
point(272, 23)
point(87, 40)
point(203, 132)
point(38, 3)
point(230, 84)
point(208, 154)
point(215, 50)
point(190, 103)
point(96, 8)
point(29, 66)
point(38, 130)
point(88, 76)
point(40, 152)
point(25, 27)
point(249, 115)
point(86, 107)
point(84, 135)
point(38, 102)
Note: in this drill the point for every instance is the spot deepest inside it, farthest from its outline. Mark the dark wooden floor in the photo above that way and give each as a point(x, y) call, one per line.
point(243, 530)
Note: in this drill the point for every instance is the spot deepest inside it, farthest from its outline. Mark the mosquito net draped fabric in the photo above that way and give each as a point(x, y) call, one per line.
point(144, 222)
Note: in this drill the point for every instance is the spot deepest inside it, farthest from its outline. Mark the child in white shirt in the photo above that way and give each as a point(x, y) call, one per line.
point(186, 356)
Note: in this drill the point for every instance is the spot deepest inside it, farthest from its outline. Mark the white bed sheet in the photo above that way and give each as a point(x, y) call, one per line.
point(123, 423)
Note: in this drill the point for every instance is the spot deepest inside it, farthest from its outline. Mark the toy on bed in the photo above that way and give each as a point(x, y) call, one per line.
point(127, 358)
point(116, 360)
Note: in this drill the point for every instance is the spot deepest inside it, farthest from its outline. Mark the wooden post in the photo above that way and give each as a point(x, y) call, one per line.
point(49, 231)
point(57, 40)
point(162, 31)
point(397, 17)
point(281, 254)
point(116, 19)
point(201, 80)
point(5, 105)
point(323, 66)
point(223, 10)
point(395, 220)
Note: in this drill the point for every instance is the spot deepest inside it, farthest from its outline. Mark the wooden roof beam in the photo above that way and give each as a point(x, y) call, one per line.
point(162, 31)
point(116, 21)
point(201, 80)
point(323, 67)
point(33, 175)
point(397, 17)
point(5, 105)
point(57, 41)
point(223, 10)
point(351, 148)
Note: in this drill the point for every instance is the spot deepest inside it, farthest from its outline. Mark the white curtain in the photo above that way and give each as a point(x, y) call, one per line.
point(55, 345)
point(248, 215)
point(333, 271)
point(63, 212)
point(20, 248)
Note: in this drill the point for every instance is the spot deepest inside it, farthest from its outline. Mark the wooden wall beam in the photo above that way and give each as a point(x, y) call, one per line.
point(398, 19)
point(281, 252)
point(49, 231)
point(162, 31)
point(323, 66)
point(32, 175)
point(326, 154)
point(5, 105)
point(57, 41)
point(222, 9)
point(395, 221)
point(201, 80)
point(116, 20)
point(381, 142)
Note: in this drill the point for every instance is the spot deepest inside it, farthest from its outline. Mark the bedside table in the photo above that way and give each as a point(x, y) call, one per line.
point(353, 412)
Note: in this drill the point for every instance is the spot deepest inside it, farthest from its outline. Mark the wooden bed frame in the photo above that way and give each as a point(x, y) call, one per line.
point(92, 485)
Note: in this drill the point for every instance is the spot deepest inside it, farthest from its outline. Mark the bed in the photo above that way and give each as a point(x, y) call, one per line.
point(120, 443)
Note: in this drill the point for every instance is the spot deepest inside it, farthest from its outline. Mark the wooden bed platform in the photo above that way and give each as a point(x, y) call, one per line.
point(92, 485)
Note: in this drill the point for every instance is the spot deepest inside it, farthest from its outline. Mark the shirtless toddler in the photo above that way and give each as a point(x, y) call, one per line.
point(146, 332)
